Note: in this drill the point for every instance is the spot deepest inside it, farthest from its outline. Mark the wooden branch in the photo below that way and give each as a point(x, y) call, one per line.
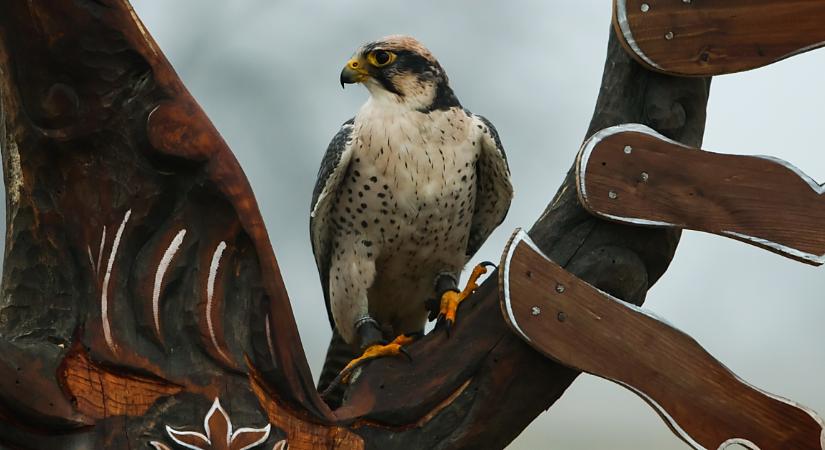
point(633, 175)
point(715, 37)
point(703, 402)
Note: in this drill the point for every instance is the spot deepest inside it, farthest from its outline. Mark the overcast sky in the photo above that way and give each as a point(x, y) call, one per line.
point(267, 71)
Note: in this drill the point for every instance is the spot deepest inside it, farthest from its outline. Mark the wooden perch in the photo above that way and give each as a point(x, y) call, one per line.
point(715, 37)
point(137, 261)
point(634, 175)
point(702, 402)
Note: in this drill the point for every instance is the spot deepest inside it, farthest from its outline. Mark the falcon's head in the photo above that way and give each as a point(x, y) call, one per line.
point(400, 70)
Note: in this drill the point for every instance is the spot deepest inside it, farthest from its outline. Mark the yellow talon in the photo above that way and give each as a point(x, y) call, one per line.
point(394, 348)
point(451, 299)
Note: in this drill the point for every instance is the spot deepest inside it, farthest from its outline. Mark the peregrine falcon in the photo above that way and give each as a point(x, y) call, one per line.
point(408, 191)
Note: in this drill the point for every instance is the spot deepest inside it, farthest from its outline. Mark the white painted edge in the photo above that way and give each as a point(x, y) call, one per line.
point(816, 187)
point(681, 433)
point(210, 291)
point(280, 445)
point(590, 144)
point(173, 433)
point(520, 236)
point(240, 431)
point(624, 25)
point(739, 441)
point(789, 402)
point(216, 407)
point(587, 150)
point(163, 266)
point(819, 260)
point(104, 290)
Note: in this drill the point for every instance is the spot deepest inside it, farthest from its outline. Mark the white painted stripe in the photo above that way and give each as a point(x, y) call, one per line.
point(100, 251)
point(520, 235)
point(210, 291)
point(163, 266)
point(740, 441)
point(590, 144)
point(816, 259)
point(621, 18)
point(104, 295)
point(818, 188)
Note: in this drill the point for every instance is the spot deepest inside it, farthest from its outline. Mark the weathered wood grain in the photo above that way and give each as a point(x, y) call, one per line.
point(634, 175)
point(715, 37)
point(704, 403)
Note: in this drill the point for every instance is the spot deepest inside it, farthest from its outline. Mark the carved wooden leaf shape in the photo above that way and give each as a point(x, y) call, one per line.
point(246, 438)
point(189, 439)
point(218, 427)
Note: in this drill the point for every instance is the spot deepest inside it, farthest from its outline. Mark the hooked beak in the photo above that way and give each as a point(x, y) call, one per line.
point(355, 71)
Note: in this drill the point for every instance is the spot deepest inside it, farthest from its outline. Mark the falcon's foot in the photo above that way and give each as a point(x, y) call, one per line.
point(450, 300)
point(394, 348)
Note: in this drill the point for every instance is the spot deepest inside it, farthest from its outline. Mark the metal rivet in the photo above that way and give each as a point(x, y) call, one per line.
point(535, 311)
point(559, 288)
point(613, 195)
point(562, 316)
point(628, 149)
point(645, 7)
point(645, 177)
point(686, 1)
point(669, 35)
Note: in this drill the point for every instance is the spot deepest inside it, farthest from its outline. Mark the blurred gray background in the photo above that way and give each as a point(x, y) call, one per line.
point(266, 72)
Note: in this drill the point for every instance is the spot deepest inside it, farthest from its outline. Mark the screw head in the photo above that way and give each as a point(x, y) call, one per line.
point(645, 177)
point(535, 311)
point(561, 316)
point(669, 35)
point(628, 149)
point(613, 195)
point(645, 7)
point(560, 288)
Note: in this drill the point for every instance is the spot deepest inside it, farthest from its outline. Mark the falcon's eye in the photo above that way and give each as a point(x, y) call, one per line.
point(381, 58)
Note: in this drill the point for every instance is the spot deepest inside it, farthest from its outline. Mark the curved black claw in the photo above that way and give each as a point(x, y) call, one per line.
point(488, 264)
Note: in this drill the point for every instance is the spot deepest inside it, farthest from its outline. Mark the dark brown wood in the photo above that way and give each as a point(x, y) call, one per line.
point(715, 37)
point(98, 133)
point(704, 403)
point(633, 175)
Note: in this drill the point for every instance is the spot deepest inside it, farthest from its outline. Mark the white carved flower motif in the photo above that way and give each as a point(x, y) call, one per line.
point(219, 434)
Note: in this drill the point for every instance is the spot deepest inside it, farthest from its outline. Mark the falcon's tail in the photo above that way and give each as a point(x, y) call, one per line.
point(339, 354)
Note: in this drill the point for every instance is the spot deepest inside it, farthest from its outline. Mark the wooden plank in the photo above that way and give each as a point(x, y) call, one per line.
point(702, 402)
point(714, 37)
point(631, 174)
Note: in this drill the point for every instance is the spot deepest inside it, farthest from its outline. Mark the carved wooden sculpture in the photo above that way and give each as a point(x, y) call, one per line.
point(142, 304)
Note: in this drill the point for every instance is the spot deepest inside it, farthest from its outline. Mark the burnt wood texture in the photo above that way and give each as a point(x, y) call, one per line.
point(701, 401)
point(142, 304)
point(715, 37)
point(633, 175)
